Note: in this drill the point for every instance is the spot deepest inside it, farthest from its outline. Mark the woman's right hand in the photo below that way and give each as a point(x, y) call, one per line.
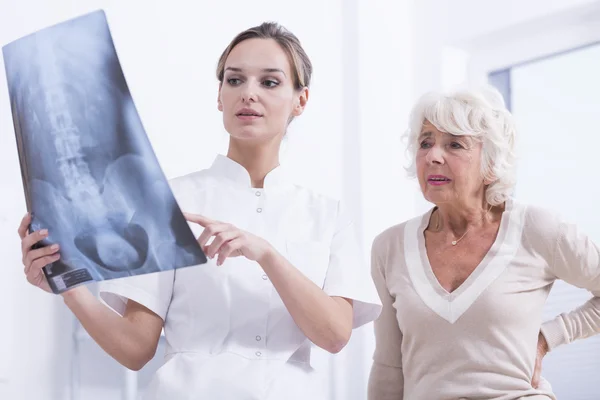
point(36, 259)
point(130, 339)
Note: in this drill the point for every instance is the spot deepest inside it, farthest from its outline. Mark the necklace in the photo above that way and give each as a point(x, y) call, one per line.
point(455, 242)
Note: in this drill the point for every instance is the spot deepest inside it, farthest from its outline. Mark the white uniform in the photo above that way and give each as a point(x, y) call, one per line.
point(228, 333)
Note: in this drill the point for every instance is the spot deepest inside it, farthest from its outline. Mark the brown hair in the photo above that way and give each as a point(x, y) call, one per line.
point(301, 65)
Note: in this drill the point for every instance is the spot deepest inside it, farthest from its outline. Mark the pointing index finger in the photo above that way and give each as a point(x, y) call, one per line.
point(198, 219)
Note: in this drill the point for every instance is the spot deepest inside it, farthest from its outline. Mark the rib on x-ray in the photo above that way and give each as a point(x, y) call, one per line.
point(89, 172)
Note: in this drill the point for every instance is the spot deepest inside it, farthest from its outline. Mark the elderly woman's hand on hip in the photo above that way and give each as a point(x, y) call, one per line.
point(542, 350)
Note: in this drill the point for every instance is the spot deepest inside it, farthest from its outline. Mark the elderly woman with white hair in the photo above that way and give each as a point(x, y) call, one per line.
point(463, 285)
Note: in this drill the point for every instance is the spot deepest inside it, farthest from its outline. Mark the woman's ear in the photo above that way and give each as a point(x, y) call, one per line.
point(489, 181)
point(301, 101)
point(219, 103)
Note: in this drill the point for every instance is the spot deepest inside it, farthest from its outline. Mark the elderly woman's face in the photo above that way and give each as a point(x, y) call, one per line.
point(448, 166)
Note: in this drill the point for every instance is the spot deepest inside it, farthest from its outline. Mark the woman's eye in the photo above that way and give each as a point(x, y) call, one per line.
point(456, 145)
point(233, 81)
point(425, 145)
point(270, 83)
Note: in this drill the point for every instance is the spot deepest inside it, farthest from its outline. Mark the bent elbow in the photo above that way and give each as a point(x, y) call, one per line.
point(134, 365)
point(338, 342)
point(335, 348)
point(138, 361)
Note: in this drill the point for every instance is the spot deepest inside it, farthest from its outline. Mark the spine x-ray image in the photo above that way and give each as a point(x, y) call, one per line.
point(89, 172)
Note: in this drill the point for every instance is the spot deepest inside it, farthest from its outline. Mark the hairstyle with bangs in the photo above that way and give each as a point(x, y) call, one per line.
point(478, 113)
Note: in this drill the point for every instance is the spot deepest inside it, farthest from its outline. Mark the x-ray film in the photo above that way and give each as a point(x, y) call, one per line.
point(89, 171)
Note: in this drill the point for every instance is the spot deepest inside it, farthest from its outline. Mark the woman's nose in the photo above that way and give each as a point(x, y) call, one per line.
point(435, 155)
point(249, 93)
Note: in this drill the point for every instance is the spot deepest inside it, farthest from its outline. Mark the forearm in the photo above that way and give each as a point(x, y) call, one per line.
point(575, 260)
point(118, 336)
point(578, 324)
point(326, 321)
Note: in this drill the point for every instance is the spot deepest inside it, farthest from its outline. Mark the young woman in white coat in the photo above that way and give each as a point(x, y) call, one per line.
point(284, 271)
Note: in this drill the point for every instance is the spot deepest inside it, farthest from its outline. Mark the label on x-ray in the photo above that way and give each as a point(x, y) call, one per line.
point(59, 283)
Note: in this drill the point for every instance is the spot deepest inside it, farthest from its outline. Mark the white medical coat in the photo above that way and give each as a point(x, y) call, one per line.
point(228, 334)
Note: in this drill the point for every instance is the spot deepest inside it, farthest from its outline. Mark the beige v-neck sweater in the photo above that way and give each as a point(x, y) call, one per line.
point(478, 342)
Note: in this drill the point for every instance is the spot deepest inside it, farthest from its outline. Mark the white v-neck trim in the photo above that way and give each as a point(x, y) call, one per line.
point(451, 306)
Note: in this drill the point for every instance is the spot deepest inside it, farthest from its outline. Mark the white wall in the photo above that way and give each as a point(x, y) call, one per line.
point(474, 24)
point(473, 18)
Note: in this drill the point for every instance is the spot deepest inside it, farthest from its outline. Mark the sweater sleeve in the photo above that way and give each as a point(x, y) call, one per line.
point(576, 260)
point(386, 380)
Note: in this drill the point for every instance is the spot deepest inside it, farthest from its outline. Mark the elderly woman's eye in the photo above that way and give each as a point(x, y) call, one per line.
point(425, 145)
point(456, 145)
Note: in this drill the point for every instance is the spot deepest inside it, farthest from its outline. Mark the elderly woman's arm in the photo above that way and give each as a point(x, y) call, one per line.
point(386, 381)
point(576, 260)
